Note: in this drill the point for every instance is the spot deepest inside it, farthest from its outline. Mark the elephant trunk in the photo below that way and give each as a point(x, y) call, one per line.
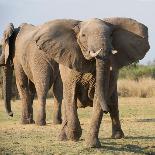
point(102, 83)
point(7, 88)
point(7, 50)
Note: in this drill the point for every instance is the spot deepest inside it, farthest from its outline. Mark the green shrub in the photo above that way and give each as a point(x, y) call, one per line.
point(135, 72)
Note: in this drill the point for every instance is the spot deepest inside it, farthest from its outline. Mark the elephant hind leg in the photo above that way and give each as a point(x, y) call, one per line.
point(117, 131)
point(41, 110)
point(32, 92)
point(23, 88)
point(57, 93)
point(42, 84)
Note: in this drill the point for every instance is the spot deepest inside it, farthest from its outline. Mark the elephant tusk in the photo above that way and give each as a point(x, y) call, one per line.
point(114, 51)
point(94, 54)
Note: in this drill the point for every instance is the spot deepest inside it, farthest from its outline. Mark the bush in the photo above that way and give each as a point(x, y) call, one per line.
point(136, 72)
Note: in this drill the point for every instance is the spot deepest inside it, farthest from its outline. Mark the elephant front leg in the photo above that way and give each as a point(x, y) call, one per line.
point(117, 132)
point(27, 112)
point(22, 85)
point(92, 139)
point(71, 129)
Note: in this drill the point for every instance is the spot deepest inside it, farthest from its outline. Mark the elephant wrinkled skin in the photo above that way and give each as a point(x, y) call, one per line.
point(34, 72)
point(84, 51)
point(88, 67)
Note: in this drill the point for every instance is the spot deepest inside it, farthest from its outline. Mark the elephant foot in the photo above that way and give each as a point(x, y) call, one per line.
point(92, 142)
point(41, 122)
point(41, 119)
point(70, 134)
point(27, 121)
point(118, 134)
point(57, 121)
point(73, 135)
point(62, 136)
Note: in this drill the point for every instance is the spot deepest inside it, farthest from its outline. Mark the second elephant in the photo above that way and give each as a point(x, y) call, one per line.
point(34, 72)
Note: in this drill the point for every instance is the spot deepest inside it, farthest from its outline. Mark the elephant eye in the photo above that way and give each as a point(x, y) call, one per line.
point(83, 35)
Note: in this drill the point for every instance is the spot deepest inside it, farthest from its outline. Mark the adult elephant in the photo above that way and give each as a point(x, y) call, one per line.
point(34, 72)
point(91, 53)
point(84, 50)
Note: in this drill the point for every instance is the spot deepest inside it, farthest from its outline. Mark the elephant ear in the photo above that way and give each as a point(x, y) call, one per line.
point(6, 38)
point(129, 39)
point(58, 41)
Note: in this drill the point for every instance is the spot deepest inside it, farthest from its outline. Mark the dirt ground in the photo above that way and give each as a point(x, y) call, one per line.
point(137, 118)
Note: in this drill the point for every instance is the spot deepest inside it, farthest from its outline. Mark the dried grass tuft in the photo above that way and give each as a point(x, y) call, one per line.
point(144, 87)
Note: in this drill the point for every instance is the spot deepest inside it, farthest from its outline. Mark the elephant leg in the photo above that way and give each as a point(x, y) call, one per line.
point(42, 84)
point(57, 93)
point(71, 129)
point(32, 92)
point(92, 139)
point(117, 132)
point(42, 94)
point(23, 88)
point(63, 136)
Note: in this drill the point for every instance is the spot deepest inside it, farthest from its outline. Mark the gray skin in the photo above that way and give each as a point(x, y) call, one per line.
point(84, 51)
point(34, 72)
point(76, 84)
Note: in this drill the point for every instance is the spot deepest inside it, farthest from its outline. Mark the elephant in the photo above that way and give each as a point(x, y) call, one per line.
point(34, 72)
point(90, 54)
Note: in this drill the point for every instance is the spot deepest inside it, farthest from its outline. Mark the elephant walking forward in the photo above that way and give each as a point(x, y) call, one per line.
point(90, 54)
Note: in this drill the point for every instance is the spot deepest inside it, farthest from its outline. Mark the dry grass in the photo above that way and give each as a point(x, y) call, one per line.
point(138, 122)
point(144, 87)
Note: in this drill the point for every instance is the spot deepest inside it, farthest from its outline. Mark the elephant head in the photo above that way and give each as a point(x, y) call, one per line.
point(6, 62)
point(79, 45)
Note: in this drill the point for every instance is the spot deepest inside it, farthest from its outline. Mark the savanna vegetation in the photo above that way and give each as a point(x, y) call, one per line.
point(137, 81)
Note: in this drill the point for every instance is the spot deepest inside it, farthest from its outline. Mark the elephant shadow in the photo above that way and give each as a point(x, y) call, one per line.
point(146, 120)
point(108, 146)
point(129, 148)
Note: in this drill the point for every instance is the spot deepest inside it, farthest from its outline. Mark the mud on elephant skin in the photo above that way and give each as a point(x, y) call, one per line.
point(87, 47)
point(34, 72)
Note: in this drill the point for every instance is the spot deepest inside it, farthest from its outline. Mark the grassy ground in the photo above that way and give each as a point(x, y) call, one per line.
point(138, 123)
point(144, 87)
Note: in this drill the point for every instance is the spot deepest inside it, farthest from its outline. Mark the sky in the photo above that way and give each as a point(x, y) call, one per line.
point(39, 11)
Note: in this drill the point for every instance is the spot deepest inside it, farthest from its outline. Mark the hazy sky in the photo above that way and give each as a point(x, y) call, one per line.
point(39, 11)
